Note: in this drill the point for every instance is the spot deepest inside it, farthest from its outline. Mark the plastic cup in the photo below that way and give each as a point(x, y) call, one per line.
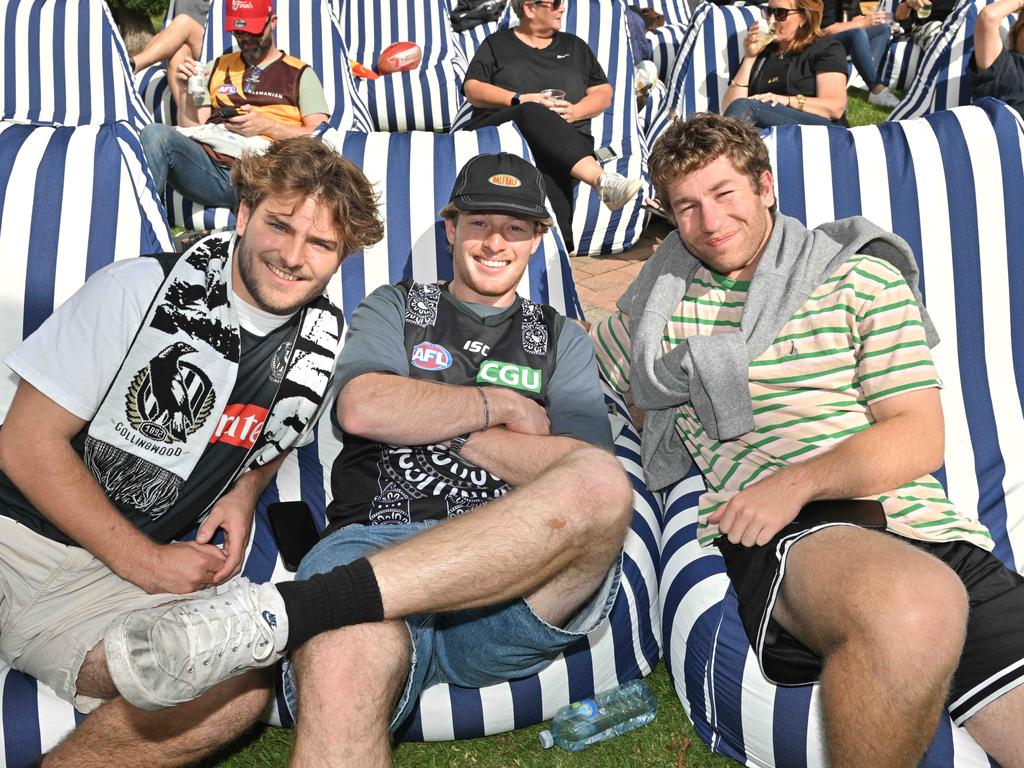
point(553, 93)
point(868, 8)
point(924, 12)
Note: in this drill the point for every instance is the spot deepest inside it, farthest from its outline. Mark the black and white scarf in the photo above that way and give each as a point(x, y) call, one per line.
point(161, 410)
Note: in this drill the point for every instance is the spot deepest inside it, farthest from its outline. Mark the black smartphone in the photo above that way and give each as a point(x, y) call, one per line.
point(605, 154)
point(867, 513)
point(294, 531)
point(226, 113)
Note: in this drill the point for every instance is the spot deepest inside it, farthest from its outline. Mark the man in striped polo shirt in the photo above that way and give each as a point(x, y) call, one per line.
point(793, 366)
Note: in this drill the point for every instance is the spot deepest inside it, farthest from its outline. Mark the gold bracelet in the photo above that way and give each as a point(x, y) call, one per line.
point(747, 85)
point(801, 100)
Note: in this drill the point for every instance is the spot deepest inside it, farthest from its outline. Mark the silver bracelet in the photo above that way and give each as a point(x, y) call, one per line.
point(487, 407)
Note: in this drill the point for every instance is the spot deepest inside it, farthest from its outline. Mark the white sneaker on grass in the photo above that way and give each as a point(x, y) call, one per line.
point(616, 190)
point(884, 98)
point(164, 656)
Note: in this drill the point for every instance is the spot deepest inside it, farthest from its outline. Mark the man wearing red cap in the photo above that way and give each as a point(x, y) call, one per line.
point(256, 94)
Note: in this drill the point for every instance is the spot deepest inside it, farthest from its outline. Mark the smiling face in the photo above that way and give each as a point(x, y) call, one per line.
point(722, 218)
point(288, 250)
point(490, 252)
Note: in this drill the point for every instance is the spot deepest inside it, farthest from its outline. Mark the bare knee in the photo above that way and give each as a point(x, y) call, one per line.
point(601, 492)
point(920, 614)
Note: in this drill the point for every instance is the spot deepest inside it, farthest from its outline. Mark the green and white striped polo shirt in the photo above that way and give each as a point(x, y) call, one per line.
point(857, 340)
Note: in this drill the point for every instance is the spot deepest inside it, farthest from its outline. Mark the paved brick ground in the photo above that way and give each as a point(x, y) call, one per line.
point(600, 280)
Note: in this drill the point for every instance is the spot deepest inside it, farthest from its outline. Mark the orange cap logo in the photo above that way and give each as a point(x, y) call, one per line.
point(505, 180)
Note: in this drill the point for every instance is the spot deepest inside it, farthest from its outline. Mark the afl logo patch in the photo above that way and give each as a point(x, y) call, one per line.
point(505, 180)
point(227, 89)
point(430, 357)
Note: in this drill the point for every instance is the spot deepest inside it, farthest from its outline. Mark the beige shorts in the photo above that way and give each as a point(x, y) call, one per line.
point(55, 604)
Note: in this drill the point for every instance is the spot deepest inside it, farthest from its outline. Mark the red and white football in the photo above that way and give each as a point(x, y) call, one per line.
point(399, 57)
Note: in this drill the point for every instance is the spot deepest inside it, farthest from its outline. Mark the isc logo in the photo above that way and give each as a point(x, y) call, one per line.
point(509, 375)
point(430, 357)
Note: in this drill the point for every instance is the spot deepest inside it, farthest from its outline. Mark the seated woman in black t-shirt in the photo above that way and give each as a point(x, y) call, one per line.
point(507, 80)
point(995, 70)
point(792, 74)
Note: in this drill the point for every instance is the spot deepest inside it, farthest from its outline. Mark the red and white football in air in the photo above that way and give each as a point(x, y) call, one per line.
point(399, 57)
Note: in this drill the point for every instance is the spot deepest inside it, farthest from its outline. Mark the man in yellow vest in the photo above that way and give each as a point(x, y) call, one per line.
point(254, 95)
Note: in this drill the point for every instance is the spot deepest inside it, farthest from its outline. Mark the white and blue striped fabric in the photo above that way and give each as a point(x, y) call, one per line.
point(152, 84)
point(307, 30)
point(72, 199)
point(62, 62)
point(403, 167)
point(942, 80)
point(597, 230)
point(469, 40)
point(711, 52)
point(667, 40)
point(424, 99)
point(950, 186)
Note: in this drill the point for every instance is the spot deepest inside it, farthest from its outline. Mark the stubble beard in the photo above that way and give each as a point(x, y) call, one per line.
point(264, 298)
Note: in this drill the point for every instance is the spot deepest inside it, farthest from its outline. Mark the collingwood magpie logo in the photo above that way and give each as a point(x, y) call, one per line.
point(170, 398)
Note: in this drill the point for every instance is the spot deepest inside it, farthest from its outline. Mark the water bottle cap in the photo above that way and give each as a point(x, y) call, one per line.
point(546, 739)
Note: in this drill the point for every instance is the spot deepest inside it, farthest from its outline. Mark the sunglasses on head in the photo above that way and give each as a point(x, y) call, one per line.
point(781, 14)
point(555, 4)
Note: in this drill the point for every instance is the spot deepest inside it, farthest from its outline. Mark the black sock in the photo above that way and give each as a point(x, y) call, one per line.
point(347, 595)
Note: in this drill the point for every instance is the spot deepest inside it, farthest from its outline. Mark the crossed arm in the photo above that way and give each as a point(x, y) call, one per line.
point(397, 410)
point(37, 433)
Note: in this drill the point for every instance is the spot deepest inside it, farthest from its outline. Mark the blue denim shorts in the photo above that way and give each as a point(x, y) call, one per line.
point(473, 648)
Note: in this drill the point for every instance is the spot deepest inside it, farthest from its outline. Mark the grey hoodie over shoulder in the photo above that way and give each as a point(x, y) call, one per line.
point(711, 371)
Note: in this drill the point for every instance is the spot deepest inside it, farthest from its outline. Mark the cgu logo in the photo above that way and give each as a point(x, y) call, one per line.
point(430, 357)
point(509, 375)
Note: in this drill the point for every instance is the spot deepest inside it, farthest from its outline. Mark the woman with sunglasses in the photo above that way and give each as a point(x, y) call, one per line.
point(997, 69)
point(795, 74)
point(507, 81)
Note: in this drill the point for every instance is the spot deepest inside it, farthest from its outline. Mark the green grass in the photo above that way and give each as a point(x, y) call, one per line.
point(859, 112)
point(668, 742)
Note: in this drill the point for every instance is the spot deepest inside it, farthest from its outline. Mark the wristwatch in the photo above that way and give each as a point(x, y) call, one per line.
point(515, 100)
point(456, 444)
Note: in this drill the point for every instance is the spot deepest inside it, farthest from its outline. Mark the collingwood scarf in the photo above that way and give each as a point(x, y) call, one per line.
point(161, 410)
point(711, 371)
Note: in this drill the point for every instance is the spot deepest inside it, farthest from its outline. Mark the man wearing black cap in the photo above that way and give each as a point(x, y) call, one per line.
point(478, 515)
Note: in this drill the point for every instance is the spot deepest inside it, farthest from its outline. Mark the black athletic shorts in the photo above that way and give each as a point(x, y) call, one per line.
point(993, 657)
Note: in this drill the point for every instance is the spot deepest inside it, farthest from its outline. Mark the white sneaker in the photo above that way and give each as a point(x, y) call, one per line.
point(164, 656)
point(884, 98)
point(616, 190)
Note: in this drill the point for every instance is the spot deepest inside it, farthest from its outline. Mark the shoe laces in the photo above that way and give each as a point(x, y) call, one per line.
point(225, 625)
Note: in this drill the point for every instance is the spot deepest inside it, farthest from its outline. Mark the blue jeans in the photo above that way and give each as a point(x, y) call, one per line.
point(765, 115)
point(866, 47)
point(176, 159)
point(472, 648)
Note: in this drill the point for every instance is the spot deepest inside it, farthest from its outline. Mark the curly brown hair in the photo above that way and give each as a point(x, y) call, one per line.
point(689, 145)
point(307, 168)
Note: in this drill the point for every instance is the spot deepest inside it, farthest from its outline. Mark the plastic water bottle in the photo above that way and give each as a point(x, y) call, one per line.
point(605, 716)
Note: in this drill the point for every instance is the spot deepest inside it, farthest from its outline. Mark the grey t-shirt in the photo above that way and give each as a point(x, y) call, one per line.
point(376, 342)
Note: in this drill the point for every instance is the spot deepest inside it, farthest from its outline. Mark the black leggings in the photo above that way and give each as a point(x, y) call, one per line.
point(556, 146)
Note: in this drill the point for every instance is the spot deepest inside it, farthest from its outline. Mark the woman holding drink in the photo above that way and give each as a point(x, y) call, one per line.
point(865, 37)
point(550, 84)
point(792, 72)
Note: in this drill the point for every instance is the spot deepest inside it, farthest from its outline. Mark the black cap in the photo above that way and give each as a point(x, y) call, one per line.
point(501, 183)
